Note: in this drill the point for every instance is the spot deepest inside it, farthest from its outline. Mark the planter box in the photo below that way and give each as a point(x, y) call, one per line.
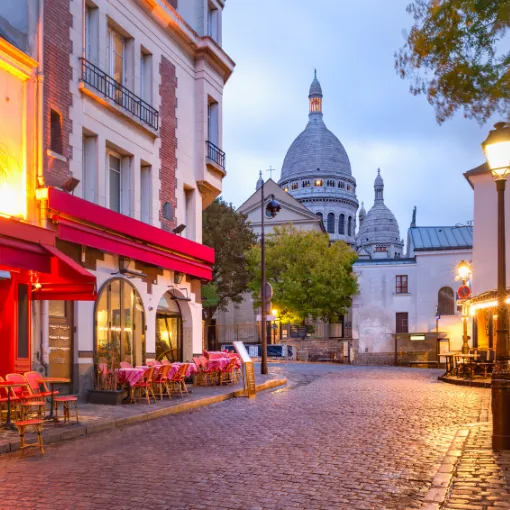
point(106, 397)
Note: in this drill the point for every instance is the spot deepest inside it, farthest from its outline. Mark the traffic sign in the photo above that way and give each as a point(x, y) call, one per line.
point(463, 292)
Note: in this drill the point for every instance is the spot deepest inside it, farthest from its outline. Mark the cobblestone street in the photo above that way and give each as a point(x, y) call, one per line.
point(336, 437)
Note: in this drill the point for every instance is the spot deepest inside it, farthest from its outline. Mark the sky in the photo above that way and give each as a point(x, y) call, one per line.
point(276, 45)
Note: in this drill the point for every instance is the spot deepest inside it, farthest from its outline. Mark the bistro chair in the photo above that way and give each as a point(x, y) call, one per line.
point(229, 373)
point(165, 362)
point(22, 392)
point(161, 379)
point(66, 400)
point(125, 364)
point(21, 429)
point(32, 406)
point(145, 383)
point(178, 379)
point(4, 400)
point(35, 386)
point(28, 400)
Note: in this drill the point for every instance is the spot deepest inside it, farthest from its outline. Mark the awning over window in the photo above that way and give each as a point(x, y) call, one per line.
point(25, 247)
point(82, 222)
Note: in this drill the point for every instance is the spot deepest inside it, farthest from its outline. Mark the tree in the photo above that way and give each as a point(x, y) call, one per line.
point(230, 235)
point(311, 277)
point(454, 55)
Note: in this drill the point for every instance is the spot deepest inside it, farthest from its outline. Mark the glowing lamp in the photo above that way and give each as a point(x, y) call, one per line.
point(464, 270)
point(275, 312)
point(497, 150)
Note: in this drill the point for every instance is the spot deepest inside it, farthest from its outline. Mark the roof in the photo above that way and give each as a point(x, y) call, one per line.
point(385, 262)
point(441, 238)
point(479, 170)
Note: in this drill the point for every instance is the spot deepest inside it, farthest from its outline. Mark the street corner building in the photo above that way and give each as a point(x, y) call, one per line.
point(110, 148)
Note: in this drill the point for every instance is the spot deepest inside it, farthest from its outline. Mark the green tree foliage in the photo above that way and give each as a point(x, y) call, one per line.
point(457, 54)
point(230, 235)
point(311, 277)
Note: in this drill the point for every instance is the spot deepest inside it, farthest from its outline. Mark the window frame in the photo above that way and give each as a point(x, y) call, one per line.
point(110, 153)
point(401, 284)
point(403, 324)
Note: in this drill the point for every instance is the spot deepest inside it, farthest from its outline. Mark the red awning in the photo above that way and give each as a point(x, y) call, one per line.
point(67, 280)
point(82, 222)
point(31, 248)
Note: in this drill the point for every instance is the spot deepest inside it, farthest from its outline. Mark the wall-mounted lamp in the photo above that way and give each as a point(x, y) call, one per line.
point(124, 263)
point(178, 230)
point(70, 185)
point(178, 277)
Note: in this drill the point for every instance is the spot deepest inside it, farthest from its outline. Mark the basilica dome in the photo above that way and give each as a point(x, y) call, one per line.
point(316, 151)
point(316, 171)
point(379, 234)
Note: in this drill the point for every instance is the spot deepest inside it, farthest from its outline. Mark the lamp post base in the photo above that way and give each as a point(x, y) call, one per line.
point(500, 390)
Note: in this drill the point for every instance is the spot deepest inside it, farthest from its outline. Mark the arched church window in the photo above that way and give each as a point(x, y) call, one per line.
point(349, 187)
point(319, 214)
point(306, 184)
point(341, 224)
point(295, 185)
point(349, 226)
point(446, 301)
point(341, 184)
point(331, 223)
point(318, 182)
point(330, 183)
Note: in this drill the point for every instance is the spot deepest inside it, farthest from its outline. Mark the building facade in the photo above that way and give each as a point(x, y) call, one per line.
point(317, 172)
point(128, 154)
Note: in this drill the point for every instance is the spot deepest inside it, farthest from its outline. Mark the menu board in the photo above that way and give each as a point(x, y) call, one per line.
point(250, 385)
point(241, 350)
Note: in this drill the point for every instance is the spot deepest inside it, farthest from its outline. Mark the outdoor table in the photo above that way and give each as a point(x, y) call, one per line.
point(52, 381)
point(9, 384)
point(218, 364)
point(450, 361)
point(467, 359)
point(129, 376)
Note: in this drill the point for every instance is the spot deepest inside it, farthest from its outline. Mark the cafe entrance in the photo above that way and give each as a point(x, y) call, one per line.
point(169, 330)
point(60, 338)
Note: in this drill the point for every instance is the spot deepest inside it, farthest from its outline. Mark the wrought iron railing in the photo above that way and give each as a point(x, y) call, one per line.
point(113, 90)
point(215, 154)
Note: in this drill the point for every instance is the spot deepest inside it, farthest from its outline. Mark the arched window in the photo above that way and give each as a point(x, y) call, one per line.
point(446, 301)
point(319, 214)
point(341, 224)
point(331, 223)
point(120, 324)
point(349, 226)
point(341, 184)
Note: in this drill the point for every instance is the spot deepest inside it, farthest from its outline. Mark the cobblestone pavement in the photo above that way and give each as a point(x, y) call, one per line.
point(337, 437)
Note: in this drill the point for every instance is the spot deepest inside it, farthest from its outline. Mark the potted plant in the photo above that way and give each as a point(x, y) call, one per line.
point(106, 361)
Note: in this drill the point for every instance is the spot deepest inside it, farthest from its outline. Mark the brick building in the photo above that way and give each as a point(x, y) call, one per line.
point(118, 119)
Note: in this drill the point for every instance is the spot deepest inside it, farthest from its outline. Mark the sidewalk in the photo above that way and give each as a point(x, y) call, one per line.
point(96, 418)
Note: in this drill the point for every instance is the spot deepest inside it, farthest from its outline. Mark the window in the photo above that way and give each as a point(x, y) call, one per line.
point(91, 33)
point(306, 184)
point(397, 255)
point(120, 323)
point(318, 182)
point(319, 214)
point(381, 249)
point(56, 132)
point(349, 187)
point(116, 62)
point(402, 322)
point(145, 194)
point(168, 330)
point(213, 122)
point(146, 76)
point(189, 196)
point(114, 182)
point(295, 185)
point(349, 226)
point(341, 224)
point(341, 184)
point(89, 171)
point(401, 284)
point(213, 23)
point(330, 183)
point(331, 223)
point(23, 318)
point(446, 301)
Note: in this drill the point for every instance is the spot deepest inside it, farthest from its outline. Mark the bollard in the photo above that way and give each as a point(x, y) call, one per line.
point(501, 411)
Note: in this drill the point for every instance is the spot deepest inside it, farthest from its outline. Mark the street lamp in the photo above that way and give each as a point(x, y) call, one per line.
point(497, 153)
point(270, 210)
point(464, 271)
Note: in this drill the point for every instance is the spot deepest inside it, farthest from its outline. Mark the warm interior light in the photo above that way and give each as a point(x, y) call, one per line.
point(497, 150)
point(275, 312)
point(12, 186)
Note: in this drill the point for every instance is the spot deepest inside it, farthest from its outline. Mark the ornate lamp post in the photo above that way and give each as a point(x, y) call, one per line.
point(497, 153)
point(464, 272)
point(270, 210)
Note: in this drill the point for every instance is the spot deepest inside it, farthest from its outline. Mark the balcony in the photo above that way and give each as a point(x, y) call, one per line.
point(215, 155)
point(120, 95)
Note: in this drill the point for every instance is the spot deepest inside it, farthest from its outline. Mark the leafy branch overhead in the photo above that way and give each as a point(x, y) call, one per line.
point(457, 56)
point(228, 232)
point(311, 277)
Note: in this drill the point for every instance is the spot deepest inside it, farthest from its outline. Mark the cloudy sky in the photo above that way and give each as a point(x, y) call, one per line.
point(276, 45)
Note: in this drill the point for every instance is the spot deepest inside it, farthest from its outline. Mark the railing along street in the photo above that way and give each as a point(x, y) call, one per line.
point(106, 85)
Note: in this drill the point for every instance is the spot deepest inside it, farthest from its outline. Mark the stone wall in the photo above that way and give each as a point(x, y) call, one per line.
point(321, 349)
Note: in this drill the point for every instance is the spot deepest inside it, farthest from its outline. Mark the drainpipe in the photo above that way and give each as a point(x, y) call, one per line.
point(40, 115)
point(45, 341)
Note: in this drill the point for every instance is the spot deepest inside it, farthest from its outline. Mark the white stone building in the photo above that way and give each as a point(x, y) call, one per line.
point(124, 102)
